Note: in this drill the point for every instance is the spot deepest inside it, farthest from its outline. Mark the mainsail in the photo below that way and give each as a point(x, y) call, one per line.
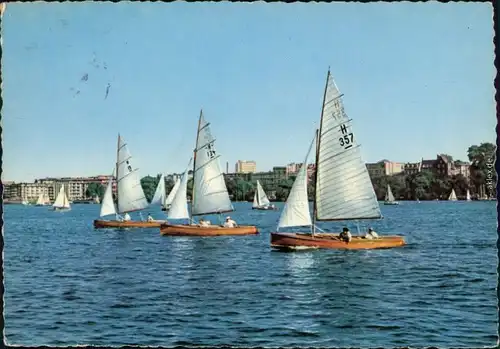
point(171, 195)
point(260, 198)
point(108, 205)
point(159, 196)
point(344, 190)
point(453, 196)
point(61, 200)
point(130, 194)
point(41, 199)
point(179, 206)
point(209, 188)
point(296, 211)
point(388, 196)
point(468, 195)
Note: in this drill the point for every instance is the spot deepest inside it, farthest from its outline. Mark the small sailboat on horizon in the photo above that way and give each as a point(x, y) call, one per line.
point(453, 196)
point(209, 194)
point(343, 189)
point(62, 202)
point(260, 200)
point(468, 197)
point(389, 197)
point(130, 196)
point(43, 200)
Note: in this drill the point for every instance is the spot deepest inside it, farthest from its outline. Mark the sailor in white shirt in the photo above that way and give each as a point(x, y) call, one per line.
point(371, 234)
point(230, 223)
point(126, 217)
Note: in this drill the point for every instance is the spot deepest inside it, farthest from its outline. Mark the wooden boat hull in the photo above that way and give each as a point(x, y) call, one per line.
point(129, 224)
point(329, 240)
point(212, 230)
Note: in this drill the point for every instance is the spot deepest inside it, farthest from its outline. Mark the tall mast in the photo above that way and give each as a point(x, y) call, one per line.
point(318, 136)
point(117, 156)
point(194, 164)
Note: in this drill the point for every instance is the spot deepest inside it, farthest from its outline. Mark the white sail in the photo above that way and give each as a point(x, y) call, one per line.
point(179, 206)
point(41, 199)
point(108, 205)
point(46, 199)
point(468, 195)
point(453, 196)
point(61, 199)
point(209, 188)
point(260, 198)
point(130, 194)
point(159, 196)
point(296, 212)
point(388, 196)
point(344, 190)
point(171, 195)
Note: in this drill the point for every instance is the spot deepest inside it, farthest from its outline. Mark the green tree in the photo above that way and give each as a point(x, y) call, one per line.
point(482, 169)
point(148, 185)
point(95, 189)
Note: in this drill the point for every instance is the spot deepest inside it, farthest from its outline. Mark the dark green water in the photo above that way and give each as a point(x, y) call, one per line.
point(66, 283)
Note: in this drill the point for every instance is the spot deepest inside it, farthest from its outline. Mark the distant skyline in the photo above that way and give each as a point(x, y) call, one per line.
point(417, 80)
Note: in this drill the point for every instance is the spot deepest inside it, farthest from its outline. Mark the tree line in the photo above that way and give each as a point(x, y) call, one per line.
point(425, 185)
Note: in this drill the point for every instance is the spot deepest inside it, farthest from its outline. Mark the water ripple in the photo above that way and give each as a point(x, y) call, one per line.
point(135, 287)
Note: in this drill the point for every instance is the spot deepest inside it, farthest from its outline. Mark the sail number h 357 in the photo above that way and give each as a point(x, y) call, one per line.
point(347, 139)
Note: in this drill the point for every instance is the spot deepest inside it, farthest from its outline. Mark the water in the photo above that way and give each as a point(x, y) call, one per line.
point(66, 283)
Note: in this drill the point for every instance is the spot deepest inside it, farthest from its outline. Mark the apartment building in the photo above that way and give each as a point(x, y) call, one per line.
point(243, 166)
point(385, 168)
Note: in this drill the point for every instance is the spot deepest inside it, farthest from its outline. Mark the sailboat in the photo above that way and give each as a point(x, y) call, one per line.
point(130, 196)
point(389, 198)
point(210, 194)
point(453, 196)
point(171, 195)
point(43, 200)
point(343, 189)
point(468, 198)
point(62, 202)
point(260, 200)
point(159, 195)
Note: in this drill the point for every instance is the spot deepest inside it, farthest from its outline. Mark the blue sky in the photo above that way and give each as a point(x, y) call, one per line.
point(417, 80)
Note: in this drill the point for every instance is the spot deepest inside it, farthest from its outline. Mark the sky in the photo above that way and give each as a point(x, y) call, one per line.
point(417, 80)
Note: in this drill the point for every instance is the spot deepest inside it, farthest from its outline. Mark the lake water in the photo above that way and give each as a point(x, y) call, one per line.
point(66, 283)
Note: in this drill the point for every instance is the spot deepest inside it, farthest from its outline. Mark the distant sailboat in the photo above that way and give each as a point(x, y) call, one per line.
point(453, 196)
point(260, 199)
point(159, 196)
point(171, 195)
point(343, 189)
point(468, 196)
point(389, 198)
point(210, 194)
point(130, 196)
point(62, 202)
point(43, 200)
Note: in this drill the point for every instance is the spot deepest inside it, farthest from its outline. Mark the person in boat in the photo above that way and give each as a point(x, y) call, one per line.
point(204, 223)
point(371, 234)
point(126, 217)
point(230, 223)
point(150, 218)
point(345, 235)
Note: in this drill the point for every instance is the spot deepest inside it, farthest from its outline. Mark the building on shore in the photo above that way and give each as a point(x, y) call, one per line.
point(243, 166)
point(75, 187)
point(385, 168)
point(443, 166)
